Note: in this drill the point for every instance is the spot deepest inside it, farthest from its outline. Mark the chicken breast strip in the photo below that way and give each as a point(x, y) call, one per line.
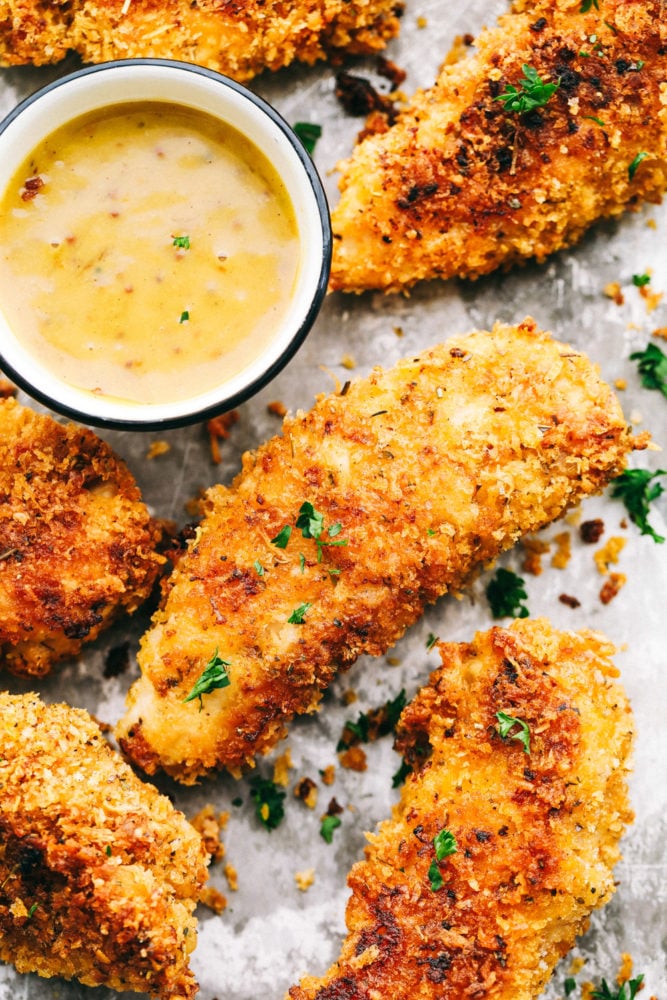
point(239, 39)
point(336, 535)
point(99, 874)
point(462, 183)
point(504, 839)
point(77, 545)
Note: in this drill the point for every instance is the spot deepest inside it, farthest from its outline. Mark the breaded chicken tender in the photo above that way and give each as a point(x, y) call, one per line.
point(239, 39)
point(77, 545)
point(462, 184)
point(336, 535)
point(99, 874)
point(494, 857)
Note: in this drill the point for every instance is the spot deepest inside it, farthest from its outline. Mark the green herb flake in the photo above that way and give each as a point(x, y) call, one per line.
point(641, 279)
point(309, 133)
point(283, 537)
point(634, 488)
point(31, 911)
point(185, 316)
point(182, 242)
point(298, 616)
point(587, 5)
point(632, 168)
point(259, 569)
point(311, 523)
point(532, 92)
point(435, 876)
point(302, 561)
point(107, 850)
point(444, 844)
point(431, 532)
point(373, 724)
point(268, 799)
point(327, 827)
point(652, 365)
point(603, 992)
point(505, 725)
point(592, 118)
point(431, 640)
point(569, 986)
point(401, 774)
point(505, 592)
point(214, 676)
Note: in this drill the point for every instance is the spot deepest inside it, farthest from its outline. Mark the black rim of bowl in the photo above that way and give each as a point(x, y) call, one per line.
point(320, 290)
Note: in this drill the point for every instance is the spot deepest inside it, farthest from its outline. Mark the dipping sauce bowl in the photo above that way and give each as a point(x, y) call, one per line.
point(165, 244)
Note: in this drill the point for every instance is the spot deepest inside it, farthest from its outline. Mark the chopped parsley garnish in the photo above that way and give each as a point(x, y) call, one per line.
point(185, 316)
point(587, 4)
point(569, 986)
point(399, 777)
point(108, 850)
point(213, 676)
point(302, 561)
point(182, 242)
point(431, 640)
point(329, 824)
point(603, 992)
point(444, 844)
point(506, 724)
point(283, 537)
point(435, 876)
point(309, 133)
point(641, 279)
point(32, 910)
point(598, 121)
point(634, 488)
point(505, 593)
point(372, 724)
point(298, 616)
point(632, 168)
point(268, 799)
point(311, 523)
point(652, 365)
point(532, 93)
point(259, 569)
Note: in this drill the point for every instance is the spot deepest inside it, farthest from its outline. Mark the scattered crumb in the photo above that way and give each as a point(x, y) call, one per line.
point(329, 774)
point(230, 873)
point(306, 791)
point(574, 517)
point(621, 384)
point(218, 430)
point(390, 71)
point(651, 223)
point(210, 827)
point(193, 505)
point(281, 769)
point(458, 50)
point(587, 990)
point(334, 808)
point(347, 361)
point(398, 330)
point(592, 531)
point(576, 965)
point(213, 899)
point(117, 660)
point(661, 332)
point(611, 587)
point(652, 299)
point(7, 388)
point(277, 408)
point(422, 22)
point(304, 879)
point(636, 417)
point(625, 971)
point(354, 759)
point(572, 602)
point(349, 697)
point(157, 448)
point(608, 554)
point(563, 553)
point(613, 291)
point(393, 661)
point(534, 549)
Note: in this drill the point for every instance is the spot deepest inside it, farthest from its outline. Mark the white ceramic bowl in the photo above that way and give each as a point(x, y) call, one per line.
point(191, 86)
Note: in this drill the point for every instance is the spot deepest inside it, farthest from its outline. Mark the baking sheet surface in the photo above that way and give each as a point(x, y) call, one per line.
point(271, 932)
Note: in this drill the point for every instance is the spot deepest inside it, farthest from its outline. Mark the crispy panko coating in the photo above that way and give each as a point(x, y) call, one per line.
point(420, 474)
point(77, 545)
point(239, 38)
point(99, 874)
point(536, 834)
point(460, 186)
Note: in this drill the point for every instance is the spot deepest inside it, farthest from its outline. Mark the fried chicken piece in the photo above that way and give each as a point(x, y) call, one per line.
point(239, 39)
point(460, 185)
point(77, 545)
point(99, 874)
point(414, 476)
point(536, 834)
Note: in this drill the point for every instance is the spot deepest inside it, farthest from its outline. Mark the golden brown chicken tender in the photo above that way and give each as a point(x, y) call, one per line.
point(505, 836)
point(99, 874)
point(462, 184)
point(336, 535)
point(77, 545)
point(238, 38)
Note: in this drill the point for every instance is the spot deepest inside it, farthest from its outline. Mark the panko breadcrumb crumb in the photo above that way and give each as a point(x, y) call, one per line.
point(99, 874)
point(535, 835)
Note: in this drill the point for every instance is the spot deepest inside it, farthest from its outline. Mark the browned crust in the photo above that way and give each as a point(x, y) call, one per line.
point(537, 835)
point(77, 545)
point(99, 874)
point(237, 37)
point(460, 186)
point(431, 468)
